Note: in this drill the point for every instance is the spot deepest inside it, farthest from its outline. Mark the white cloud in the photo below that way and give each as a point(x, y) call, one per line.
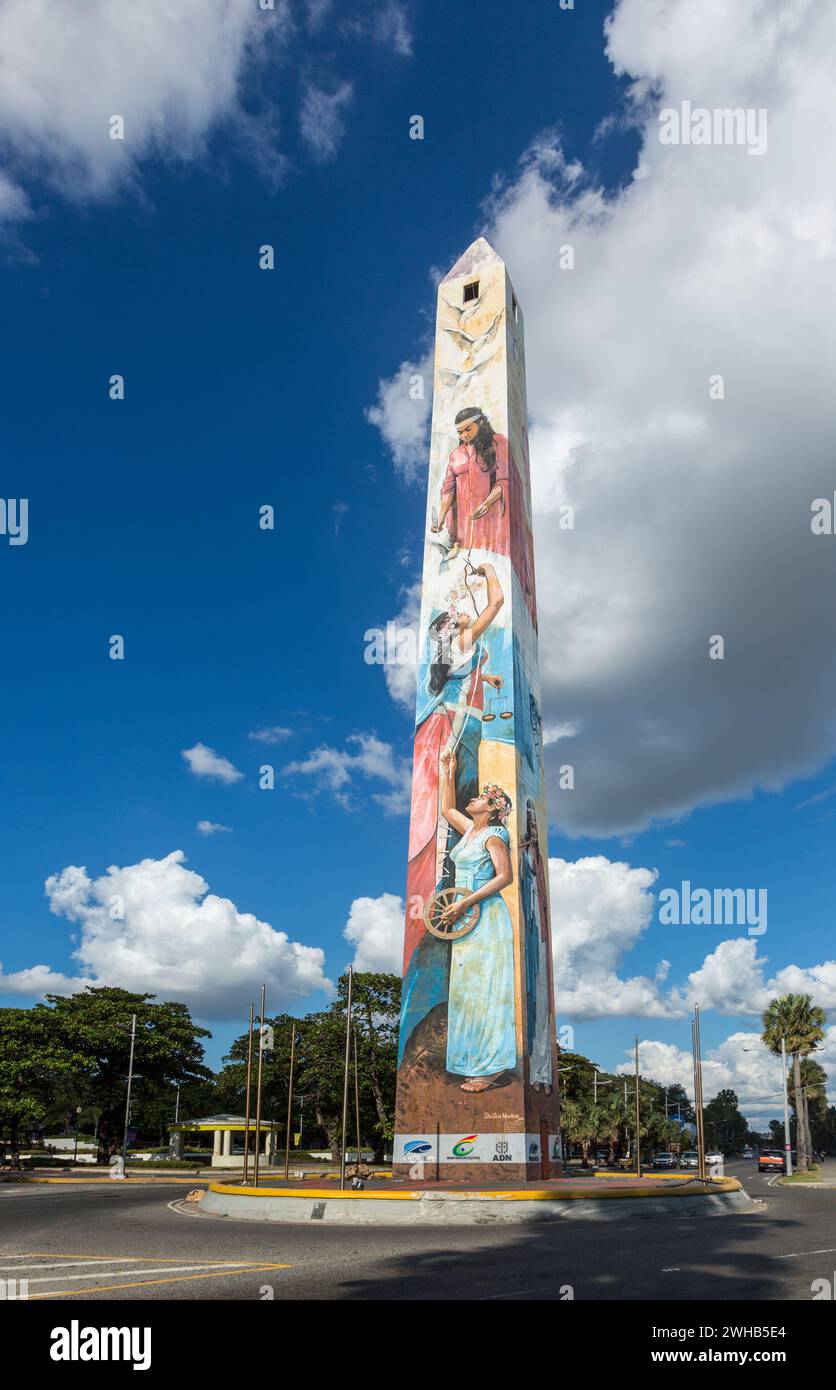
point(692, 516)
point(401, 675)
point(601, 909)
point(210, 827)
point(205, 762)
point(173, 72)
point(334, 770)
point(392, 28)
point(375, 928)
point(274, 733)
point(740, 1063)
point(321, 119)
point(39, 980)
point(403, 421)
point(154, 926)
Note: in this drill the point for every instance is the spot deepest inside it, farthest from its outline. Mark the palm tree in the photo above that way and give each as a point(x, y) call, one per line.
point(800, 1022)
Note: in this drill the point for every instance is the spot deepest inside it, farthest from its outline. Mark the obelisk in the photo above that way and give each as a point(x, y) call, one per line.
point(477, 1071)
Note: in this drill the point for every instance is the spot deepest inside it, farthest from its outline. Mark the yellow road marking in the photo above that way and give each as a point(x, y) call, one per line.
point(147, 1283)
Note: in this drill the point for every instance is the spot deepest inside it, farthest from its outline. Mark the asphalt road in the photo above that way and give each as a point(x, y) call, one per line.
point(113, 1242)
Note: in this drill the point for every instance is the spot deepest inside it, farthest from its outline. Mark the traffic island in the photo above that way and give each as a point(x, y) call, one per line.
point(404, 1206)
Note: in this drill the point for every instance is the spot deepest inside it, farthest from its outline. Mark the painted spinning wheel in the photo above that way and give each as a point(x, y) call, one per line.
point(453, 931)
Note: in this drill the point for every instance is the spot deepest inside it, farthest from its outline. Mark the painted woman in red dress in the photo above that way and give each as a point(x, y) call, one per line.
point(482, 500)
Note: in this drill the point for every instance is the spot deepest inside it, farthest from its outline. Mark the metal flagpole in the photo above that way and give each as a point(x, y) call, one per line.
point(638, 1117)
point(249, 1086)
point(700, 1121)
point(345, 1076)
point(289, 1101)
point(357, 1098)
point(258, 1090)
point(128, 1099)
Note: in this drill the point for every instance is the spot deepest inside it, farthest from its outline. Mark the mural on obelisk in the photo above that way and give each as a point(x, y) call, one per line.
point(477, 1093)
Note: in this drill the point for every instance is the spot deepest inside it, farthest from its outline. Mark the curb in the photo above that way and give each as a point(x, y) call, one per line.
point(466, 1208)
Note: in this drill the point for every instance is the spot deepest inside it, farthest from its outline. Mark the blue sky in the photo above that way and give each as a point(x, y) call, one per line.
point(247, 387)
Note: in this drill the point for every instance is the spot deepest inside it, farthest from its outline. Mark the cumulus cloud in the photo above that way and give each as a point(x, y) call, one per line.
point(601, 909)
point(401, 673)
point(692, 514)
point(211, 827)
point(321, 119)
point(375, 928)
point(740, 1063)
point(205, 762)
point(403, 418)
point(155, 927)
point(173, 72)
point(335, 770)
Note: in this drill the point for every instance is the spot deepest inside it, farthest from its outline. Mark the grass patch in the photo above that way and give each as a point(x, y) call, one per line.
point(812, 1175)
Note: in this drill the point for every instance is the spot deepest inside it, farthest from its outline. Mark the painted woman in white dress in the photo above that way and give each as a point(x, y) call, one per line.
point(481, 1029)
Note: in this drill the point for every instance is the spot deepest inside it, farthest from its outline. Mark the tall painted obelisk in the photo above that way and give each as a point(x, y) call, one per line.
point(477, 1074)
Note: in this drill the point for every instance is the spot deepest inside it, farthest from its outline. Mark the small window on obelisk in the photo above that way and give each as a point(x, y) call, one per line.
point(515, 308)
point(471, 291)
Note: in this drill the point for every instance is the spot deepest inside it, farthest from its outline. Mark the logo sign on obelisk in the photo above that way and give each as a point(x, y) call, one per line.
point(477, 1070)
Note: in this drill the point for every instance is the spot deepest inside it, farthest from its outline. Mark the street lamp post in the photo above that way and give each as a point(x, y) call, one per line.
point(787, 1145)
point(77, 1121)
point(785, 1091)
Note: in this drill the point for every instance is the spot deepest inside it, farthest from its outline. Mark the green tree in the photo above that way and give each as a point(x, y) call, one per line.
point(92, 1033)
point(795, 1018)
point(376, 1011)
point(320, 1064)
point(725, 1127)
point(33, 1060)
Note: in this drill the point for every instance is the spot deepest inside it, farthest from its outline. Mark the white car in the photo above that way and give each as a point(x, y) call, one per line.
point(690, 1159)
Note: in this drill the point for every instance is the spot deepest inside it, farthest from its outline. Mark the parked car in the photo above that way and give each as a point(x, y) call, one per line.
point(665, 1160)
point(690, 1159)
point(770, 1161)
point(602, 1157)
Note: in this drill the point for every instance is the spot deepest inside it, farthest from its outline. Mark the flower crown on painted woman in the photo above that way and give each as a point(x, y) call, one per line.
point(498, 800)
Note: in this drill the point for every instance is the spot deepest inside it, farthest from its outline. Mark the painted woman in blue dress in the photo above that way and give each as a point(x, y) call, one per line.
point(481, 1028)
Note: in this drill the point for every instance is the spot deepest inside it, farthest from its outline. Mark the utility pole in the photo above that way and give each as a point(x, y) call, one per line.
point(638, 1117)
point(345, 1075)
point(128, 1099)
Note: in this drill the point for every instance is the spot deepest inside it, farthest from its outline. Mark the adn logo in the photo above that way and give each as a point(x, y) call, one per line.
point(464, 1148)
point(417, 1146)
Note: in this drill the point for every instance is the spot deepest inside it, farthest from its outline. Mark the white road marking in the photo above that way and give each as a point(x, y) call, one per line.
point(799, 1254)
point(158, 1269)
point(68, 1264)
